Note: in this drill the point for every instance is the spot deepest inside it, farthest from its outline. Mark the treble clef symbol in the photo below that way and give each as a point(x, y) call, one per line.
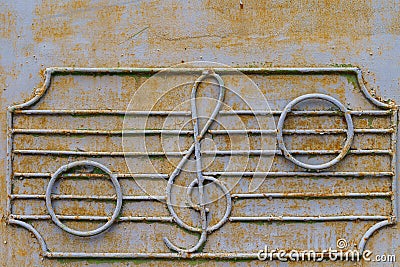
point(200, 178)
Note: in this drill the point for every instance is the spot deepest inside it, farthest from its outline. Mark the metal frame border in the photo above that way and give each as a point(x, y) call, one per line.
point(40, 92)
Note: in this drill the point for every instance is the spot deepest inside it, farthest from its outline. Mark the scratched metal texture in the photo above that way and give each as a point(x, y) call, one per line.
point(37, 35)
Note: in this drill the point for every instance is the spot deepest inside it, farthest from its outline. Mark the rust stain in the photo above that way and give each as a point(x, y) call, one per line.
point(313, 22)
point(56, 21)
point(281, 23)
point(8, 22)
point(2, 81)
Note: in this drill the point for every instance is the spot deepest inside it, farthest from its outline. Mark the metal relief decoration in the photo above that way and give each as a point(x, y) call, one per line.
point(204, 162)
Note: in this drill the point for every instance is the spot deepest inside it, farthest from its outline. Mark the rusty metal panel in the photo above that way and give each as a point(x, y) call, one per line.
point(104, 162)
point(248, 35)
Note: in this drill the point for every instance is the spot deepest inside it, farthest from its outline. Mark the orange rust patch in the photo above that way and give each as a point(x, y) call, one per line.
point(7, 22)
point(54, 31)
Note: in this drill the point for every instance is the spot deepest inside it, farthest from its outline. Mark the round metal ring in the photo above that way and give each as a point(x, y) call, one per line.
point(349, 138)
point(226, 195)
point(49, 205)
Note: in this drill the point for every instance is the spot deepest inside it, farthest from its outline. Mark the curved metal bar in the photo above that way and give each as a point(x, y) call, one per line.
point(368, 234)
point(349, 132)
point(227, 195)
point(33, 231)
point(63, 70)
point(54, 217)
point(38, 92)
point(196, 149)
point(368, 95)
point(202, 240)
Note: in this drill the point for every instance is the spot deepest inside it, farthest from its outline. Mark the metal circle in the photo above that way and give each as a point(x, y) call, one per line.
point(224, 219)
point(49, 205)
point(349, 138)
point(226, 194)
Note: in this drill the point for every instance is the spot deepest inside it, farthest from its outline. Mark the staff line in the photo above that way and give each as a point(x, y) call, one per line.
point(78, 112)
point(232, 218)
point(233, 196)
point(19, 175)
point(206, 152)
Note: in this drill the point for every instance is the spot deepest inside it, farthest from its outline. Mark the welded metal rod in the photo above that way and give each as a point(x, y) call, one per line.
point(207, 152)
point(311, 195)
point(78, 112)
point(87, 197)
point(216, 173)
point(232, 218)
point(190, 132)
point(302, 174)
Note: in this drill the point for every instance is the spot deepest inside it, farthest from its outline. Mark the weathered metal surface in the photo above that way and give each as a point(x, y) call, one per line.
point(39, 34)
point(304, 180)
